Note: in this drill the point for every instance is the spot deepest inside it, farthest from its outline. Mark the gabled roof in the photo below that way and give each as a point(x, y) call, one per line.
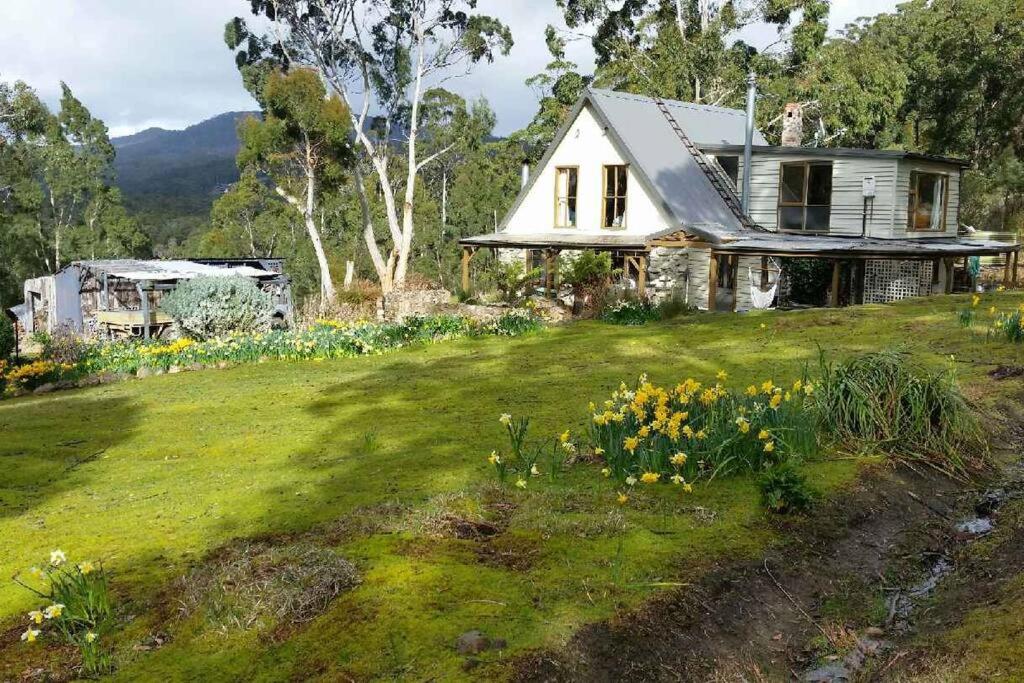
point(658, 156)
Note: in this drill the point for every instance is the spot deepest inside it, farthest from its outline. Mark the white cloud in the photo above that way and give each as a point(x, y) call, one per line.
point(137, 63)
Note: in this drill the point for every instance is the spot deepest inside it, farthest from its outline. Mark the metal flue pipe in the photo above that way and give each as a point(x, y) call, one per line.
point(749, 142)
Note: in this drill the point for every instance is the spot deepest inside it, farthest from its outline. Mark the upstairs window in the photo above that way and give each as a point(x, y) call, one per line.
point(613, 210)
point(566, 184)
point(805, 196)
point(926, 208)
point(731, 166)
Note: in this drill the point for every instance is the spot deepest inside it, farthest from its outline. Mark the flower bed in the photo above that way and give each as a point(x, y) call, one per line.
point(323, 340)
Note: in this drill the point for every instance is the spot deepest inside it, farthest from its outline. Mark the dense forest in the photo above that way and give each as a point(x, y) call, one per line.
point(358, 156)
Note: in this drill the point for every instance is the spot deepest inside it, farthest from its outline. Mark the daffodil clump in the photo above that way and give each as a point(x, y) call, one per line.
point(14, 378)
point(323, 340)
point(1009, 324)
point(650, 434)
point(76, 608)
point(520, 462)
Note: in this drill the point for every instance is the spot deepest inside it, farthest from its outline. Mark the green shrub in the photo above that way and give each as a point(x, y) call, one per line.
point(630, 311)
point(587, 268)
point(512, 279)
point(207, 307)
point(809, 280)
point(883, 401)
point(7, 339)
point(784, 490)
point(64, 346)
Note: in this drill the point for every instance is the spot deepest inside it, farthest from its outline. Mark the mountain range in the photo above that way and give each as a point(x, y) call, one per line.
point(178, 171)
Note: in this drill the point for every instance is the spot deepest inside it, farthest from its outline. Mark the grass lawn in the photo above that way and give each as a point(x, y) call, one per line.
point(365, 454)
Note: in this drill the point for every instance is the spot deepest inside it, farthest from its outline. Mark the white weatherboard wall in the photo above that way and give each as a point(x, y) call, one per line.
point(588, 147)
point(847, 192)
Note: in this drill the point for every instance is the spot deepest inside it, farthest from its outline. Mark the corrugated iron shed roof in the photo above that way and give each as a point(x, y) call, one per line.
point(142, 270)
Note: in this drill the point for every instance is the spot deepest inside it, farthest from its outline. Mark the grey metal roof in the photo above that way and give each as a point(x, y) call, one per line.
point(705, 124)
point(790, 244)
point(831, 152)
point(143, 270)
point(565, 240)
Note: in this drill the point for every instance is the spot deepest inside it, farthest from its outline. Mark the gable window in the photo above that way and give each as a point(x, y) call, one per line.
point(566, 187)
point(805, 196)
point(731, 166)
point(926, 207)
point(613, 210)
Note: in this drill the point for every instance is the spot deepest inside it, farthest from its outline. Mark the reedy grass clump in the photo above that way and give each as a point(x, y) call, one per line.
point(886, 402)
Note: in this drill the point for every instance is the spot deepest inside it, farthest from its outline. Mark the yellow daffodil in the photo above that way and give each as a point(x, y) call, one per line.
point(768, 387)
point(494, 458)
point(798, 385)
point(975, 300)
point(606, 472)
point(1001, 288)
point(743, 425)
point(677, 479)
point(991, 310)
point(769, 446)
point(787, 397)
point(598, 451)
point(764, 434)
point(90, 637)
point(763, 326)
point(591, 407)
point(688, 431)
point(57, 557)
point(505, 419)
point(751, 390)
point(631, 443)
point(722, 375)
point(564, 437)
point(623, 498)
point(644, 432)
point(86, 567)
point(701, 435)
point(569, 447)
point(775, 401)
point(35, 616)
point(679, 459)
point(688, 487)
point(808, 389)
point(53, 611)
point(521, 483)
point(30, 635)
point(650, 477)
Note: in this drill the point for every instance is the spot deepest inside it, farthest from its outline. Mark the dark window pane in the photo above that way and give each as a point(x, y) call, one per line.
point(573, 181)
point(731, 166)
point(792, 183)
point(622, 175)
point(620, 211)
point(791, 218)
point(819, 184)
point(817, 218)
point(609, 212)
point(609, 181)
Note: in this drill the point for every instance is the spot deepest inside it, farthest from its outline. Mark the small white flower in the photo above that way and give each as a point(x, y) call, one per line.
point(534, 471)
point(57, 557)
point(631, 480)
point(30, 635)
point(90, 637)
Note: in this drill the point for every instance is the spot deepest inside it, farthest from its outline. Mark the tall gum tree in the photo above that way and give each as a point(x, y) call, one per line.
point(382, 55)
point(302, 145)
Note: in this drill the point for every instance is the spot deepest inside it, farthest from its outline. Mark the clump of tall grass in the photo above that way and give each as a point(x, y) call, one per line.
point(885, 402)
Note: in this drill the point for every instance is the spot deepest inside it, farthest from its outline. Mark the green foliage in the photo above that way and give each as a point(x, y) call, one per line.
point(523, 454)
point(512, 279)
point(206, 307)
point(809, 280)
point(512, 323)
point(885, 401)
point(78, 613)
point(784, 490)
point(587, 268)
point(7, 338)
point(63, 346)
point(1009, 325)
point(630, 311)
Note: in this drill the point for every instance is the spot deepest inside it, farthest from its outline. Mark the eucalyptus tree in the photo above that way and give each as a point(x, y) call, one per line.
point(302, 145)
point(383, 55)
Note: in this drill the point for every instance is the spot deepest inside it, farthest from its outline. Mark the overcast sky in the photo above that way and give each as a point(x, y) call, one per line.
point(139, 63)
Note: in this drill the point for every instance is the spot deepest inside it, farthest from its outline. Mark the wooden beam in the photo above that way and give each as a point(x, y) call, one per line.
point(552, 279)
point(641, 278)
point(948, 265)
point(1006, 269)
point(713, 282)
point(833, 300)
point(1016, 262)
point(467, 254)
point(144, 300)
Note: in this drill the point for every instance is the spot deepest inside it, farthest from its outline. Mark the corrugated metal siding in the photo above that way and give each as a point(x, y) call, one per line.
point(847, 198)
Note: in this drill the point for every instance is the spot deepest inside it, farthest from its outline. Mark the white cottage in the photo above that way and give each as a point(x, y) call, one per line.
point(654, 182)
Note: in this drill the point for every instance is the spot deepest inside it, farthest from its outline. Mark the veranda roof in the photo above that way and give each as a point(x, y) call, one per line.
point(159, 270)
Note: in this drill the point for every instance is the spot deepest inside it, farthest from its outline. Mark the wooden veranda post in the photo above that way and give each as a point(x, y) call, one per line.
point(641, 277)
point(1006, 269)
point(713, 282)
point(551, 281)
point(467, 255)
point(1013, 272)
point(833, 300)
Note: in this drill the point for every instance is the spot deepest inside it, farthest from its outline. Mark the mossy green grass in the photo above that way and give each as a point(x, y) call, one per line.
point(149, 476)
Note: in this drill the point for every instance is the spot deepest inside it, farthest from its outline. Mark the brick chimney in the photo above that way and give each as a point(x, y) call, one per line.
point(792, 125)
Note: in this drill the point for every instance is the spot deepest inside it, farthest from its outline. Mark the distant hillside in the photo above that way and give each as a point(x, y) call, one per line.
point(177, 173)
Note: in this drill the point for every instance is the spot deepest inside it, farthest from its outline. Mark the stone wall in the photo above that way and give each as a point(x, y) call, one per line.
point(667, 270)
point(697, 285)
point(401, 304)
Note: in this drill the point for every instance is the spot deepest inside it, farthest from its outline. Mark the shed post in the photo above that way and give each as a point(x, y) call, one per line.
point(1013, 272)
point(1006, 269)
point(552, 275)
point(466, 255)
point(713, 282)
point(144, 299)
point(949, 263)
point(833, 300)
